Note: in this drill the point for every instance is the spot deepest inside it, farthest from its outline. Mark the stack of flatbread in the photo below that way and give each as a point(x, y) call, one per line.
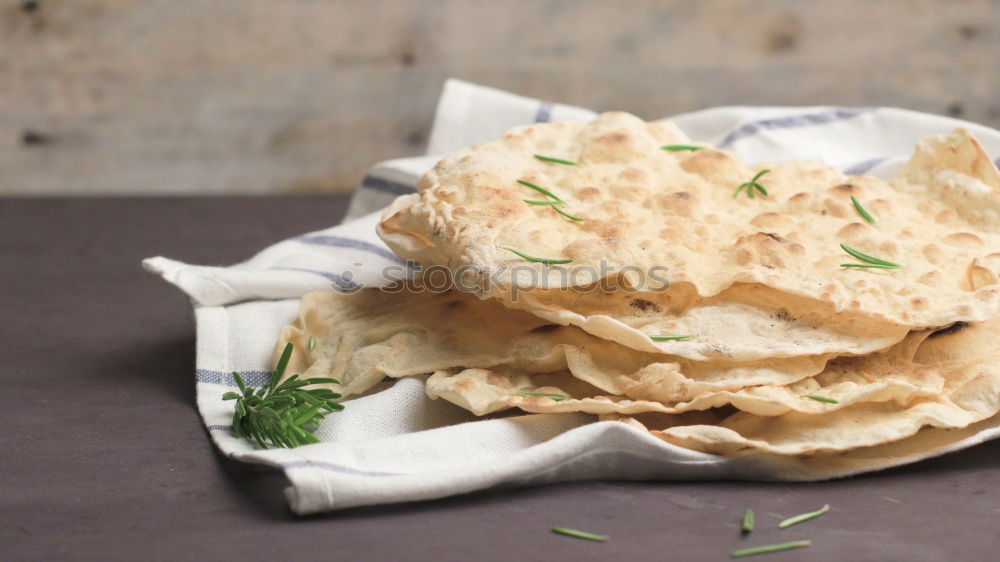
point(617, 268)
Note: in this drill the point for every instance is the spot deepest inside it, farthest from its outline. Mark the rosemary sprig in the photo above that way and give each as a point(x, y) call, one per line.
point(749, 521)
point(552, 261)
point(554, 202)
point(752, 185)
point(861, 211)
point(680, 147)
point(541, 190)
point(281, 414)
point(567, 215)
point(555, 207)
point(555, 160)
point(769, 548)
point(870, 261)
point(579, 534)
point(869, 266)
point(556, 397)
point(671, 337)
point(803, 517)
point(822, 399)
point(312, 343)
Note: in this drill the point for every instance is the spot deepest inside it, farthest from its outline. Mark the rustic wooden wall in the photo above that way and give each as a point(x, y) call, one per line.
point(268, 96)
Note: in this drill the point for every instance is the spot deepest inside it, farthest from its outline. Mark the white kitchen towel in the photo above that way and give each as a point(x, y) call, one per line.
point(397, 445)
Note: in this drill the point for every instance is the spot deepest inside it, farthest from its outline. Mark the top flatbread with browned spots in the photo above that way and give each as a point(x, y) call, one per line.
point(646, 207)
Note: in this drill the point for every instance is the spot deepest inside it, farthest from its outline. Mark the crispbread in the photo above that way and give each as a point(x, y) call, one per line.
point(970, 393)
point(746, 322)
point(645, 207)
point(845, 382)
point(363, 337)
point(755, 335)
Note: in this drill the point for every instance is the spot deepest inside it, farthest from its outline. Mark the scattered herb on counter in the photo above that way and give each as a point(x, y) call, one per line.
point(748, 521)
point(285, 414)
point(803, 517)
point(579, 534)
point(769, 548)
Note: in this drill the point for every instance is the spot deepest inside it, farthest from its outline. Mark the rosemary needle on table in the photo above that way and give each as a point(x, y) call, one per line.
point(749, 521)
point(281, 414)
point(803, 517)
point(579, 534)
point(769, 548)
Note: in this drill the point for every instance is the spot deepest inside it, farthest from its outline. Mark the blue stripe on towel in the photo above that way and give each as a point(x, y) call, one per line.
point(544, 112)
point(342, 242)
point(339, 282)
point(387, 186)
point(792, 121)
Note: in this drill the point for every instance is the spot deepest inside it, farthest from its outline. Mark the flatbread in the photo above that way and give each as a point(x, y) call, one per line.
point(363, 337)
point(777, 349)
point(880, 377)
point(970, 393)
point(746, 322)
point(647, 208)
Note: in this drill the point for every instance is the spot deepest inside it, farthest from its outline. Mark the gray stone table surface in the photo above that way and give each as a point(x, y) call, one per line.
point(104, 456)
